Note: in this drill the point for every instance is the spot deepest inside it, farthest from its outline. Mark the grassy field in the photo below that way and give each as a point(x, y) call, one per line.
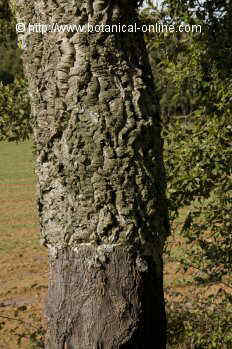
point(24, 268)
point(23, 277)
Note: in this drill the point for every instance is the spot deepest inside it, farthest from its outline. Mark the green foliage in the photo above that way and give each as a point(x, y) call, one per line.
point(197, 150)
point(199, 162)
point(202, 325)
point(14, 112)
point(175, 63)
point(190, 68)
point(10, 62)
point(193, 78)
point(14, 102)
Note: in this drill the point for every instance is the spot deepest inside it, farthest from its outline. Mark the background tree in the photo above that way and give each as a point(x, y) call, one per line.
point(14, 100)
point(10, 63)
point(101, 183)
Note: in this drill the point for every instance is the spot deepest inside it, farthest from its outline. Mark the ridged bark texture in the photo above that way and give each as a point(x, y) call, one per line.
point(101, 181)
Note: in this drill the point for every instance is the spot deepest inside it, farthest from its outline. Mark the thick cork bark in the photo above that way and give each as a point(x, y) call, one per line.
point(100, 175)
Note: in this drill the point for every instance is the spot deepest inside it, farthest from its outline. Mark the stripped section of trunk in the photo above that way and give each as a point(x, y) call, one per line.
point(105, 297)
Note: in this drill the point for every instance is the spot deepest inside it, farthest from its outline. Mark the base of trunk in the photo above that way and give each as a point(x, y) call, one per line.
point(104, 298)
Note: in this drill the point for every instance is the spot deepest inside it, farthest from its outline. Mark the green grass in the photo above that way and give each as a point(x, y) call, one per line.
point(16, 163)
point(23, 261)
point(18, 221)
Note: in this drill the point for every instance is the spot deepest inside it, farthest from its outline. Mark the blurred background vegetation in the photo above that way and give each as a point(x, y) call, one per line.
point(193, 77)
point(14, 100)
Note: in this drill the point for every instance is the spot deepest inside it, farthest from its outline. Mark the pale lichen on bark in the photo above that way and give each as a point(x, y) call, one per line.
point(96, 127)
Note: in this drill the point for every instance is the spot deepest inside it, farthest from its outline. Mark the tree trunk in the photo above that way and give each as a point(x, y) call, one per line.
point(101, 182)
